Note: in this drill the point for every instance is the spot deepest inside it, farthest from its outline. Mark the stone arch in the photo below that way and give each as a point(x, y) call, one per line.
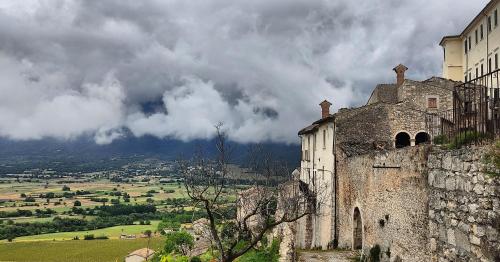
point(422, 138)
point(402, 139)
point(357, 230)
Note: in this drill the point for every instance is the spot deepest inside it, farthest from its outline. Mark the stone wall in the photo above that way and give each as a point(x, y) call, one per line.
point(417, 93)
point(390, 191)
point(464, 207)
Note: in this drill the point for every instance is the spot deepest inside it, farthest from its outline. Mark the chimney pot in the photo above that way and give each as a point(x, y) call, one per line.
point(400, 74)
point(325, 109)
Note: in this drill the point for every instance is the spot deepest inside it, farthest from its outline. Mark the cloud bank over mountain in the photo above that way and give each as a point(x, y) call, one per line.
point(174, 68)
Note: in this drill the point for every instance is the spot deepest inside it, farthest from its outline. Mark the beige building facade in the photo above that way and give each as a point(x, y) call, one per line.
point(317, 171)
point(474, 52)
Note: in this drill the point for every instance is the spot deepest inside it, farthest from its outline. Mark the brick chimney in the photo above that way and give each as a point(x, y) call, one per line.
point(400, 74)
point(325, 109)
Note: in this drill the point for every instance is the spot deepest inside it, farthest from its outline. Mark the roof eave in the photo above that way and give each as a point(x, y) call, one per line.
point(449, 37)
point(478, 16)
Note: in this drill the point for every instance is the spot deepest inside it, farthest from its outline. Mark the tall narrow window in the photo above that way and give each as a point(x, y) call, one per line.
point(470, 76)
point(465, 77)
point(324, 139)
point(477, 72)
point(482, 70)
point(495, 17)
point(489, 24)
point(308, 147)
point(476, 37)
point(489, 65)
point(465, 46)
point(470, 43)
point(481, 31)
point(496, 61)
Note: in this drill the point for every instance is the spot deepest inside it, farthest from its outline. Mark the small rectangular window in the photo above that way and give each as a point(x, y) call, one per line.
point(477, 72)
point(482, 70)
point(470, 76)
point(481, 31)
point(470, 43)
point(465, 46)
point(495, 17)
point(477, 39)
point(489, 24)
point(496, 61)
point(432, 102)
point(465, 78)
point(489, 65)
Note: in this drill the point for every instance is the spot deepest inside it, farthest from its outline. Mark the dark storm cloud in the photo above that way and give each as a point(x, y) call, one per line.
point(174, 68)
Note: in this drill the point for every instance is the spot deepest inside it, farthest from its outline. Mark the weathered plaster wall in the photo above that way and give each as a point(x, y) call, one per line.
point(390, 188)
point(464, 207)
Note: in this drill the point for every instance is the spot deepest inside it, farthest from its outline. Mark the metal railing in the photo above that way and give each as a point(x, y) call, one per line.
point(475, 115)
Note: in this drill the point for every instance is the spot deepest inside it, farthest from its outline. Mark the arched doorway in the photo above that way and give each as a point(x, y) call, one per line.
point(422, 138)
point(402, 140)
point(357, 230)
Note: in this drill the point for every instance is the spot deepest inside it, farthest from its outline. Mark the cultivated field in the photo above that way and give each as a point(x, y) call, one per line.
point(111, 250)
point(111, 232)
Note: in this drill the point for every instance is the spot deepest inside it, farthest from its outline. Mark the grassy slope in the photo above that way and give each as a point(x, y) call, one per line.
point(111, 232)
point(80, 250)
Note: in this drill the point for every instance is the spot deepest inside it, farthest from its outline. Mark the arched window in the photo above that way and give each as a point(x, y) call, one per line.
point(357, 230)
point(402, 140)
point(422, 138)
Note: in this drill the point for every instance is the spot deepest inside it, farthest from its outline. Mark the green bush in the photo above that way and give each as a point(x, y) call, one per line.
point(493, 157)
point(195, 259)
point(178, 242)
point(375, 253)
point(270, 254)
point(440, 140)
point(465, 138)
point(89, 237)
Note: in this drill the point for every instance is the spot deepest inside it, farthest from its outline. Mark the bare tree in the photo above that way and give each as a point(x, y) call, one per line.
point(239, 217)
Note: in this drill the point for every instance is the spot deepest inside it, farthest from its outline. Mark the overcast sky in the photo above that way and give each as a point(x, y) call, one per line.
point(174, 68)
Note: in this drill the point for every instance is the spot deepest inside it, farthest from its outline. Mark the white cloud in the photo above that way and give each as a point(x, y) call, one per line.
point(259, 66)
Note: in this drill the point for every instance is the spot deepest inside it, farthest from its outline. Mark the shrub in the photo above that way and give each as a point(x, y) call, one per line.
point(465, 138)
point(270, 254)
point(178, 242)
point(66, 188)
point(195, 259)
point(77, 203)
point(89, 237)
point(440, 140)
point(375, 253)
point(29, 199)
point(493, 157)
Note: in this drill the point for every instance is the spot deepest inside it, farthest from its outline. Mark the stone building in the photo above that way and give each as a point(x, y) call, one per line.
point(474, 52)
point(339, 166)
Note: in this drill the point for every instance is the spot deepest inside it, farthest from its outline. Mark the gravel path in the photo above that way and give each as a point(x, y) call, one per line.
point(321, 256)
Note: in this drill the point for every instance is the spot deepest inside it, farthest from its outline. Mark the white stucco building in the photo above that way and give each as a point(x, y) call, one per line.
point(317, 171)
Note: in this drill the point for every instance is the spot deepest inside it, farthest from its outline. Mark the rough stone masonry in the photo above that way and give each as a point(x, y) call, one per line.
point(464, 206)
